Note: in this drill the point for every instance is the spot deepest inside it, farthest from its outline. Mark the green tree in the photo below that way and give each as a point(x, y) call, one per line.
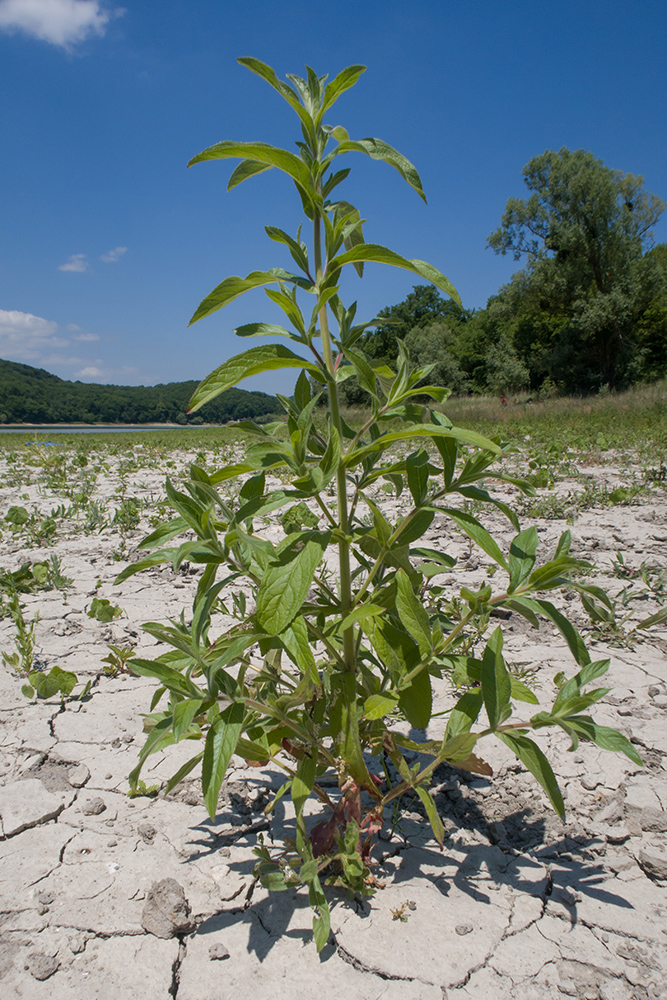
point(424, 306)
point(585, 230)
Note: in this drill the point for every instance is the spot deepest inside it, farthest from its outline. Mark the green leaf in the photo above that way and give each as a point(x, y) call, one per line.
point(464, 714)
point(259, 152)
point(245, 169)
point(411, 612)
point(269, 74)
point(417, 467)
point(521, 692)
point(496, 684)
point(432, 431)
point(57, 681)
point(232, 287)
point(532, 757)
point(657, 619)
point(605, 737)
point(564, 626)
point(321, 918)
point(458, 748)
point(286, 583)
point(183, 771)
point(379, 705)
point(265, 330)
point(221, 742)
point(522, 557)
point(302, 784)
point(340, 83)
point(263, 358)
point(432, 813)
point(416, 700)
point(374, 253)
point(164, 533)
point(296, 642)
point(479, 535)
point(379, 150)
point(184, 713)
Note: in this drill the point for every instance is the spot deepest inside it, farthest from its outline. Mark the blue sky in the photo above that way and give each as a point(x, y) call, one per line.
point(107, 242)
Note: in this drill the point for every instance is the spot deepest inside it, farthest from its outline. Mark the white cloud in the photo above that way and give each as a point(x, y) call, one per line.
point(113, 255)
point(72, 326)
point(99, 370)
point(60, 22)
point(23, 336)
point(88, 337)
point(77, 262)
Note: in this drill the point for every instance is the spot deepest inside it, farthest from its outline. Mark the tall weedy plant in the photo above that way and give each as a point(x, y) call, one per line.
point(344, 632)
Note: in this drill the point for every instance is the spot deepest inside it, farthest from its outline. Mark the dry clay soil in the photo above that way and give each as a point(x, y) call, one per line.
point(517, 905)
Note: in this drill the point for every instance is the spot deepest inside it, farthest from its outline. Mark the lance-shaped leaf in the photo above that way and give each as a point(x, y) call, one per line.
point(221, 743)
point(522, 557)
point(464, 714)
point(474, 530)
point(263, 358)
point(286, 583)
point(416, 700)
point(496, 683)
point(411, 612)
point(245, 169)
point(432, 813)
point(379, 705)
point(374, 253)
point(266, 330)
point(532, 757)
point(377, 149)
point(605, 737)
point(258, 152)
point(340, 83)
point(432, 431)
point(232, 287)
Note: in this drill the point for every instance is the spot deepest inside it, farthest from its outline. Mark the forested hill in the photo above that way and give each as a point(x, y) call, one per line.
point(32, 395)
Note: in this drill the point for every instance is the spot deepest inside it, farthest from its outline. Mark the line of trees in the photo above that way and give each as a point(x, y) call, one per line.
point(588, 310)
point(32, 395)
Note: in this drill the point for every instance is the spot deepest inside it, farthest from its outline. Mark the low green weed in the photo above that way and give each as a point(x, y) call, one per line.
point(103, 610)
point(118, 659)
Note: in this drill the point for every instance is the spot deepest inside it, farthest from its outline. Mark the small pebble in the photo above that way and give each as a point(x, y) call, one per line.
point(93, 807)
point(108, 777)
point(462, 929)
point(218, 952)
point(112, 843)
point(42, 966)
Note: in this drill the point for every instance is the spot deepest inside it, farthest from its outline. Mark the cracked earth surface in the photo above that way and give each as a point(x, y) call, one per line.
point(518, 906)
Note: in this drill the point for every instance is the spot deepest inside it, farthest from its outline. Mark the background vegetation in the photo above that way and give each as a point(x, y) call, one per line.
point(32, 395)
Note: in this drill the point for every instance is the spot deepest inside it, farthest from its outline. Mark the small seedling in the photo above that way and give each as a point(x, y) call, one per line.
point(117, 660)
point(103, 610)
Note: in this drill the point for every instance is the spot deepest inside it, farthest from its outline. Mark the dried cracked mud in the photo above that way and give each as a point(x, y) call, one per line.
point(518, 905)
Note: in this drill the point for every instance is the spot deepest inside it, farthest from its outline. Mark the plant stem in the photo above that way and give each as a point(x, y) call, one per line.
point(341, 479)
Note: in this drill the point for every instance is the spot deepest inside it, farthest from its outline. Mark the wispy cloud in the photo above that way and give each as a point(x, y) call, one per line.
point(111, 256)
point(38, 341)
point(77, 262)
point(23, 337)
point(59, 22)
point(101, 371)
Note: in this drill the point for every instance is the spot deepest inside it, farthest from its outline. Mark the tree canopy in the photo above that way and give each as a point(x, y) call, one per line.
point(32, 395)
point(586, 231)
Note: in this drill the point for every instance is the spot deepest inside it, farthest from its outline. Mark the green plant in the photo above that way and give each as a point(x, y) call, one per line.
point(321, 664)
point(117, 662)
point(103, 610)
point(38, 530)
point(22, 660)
